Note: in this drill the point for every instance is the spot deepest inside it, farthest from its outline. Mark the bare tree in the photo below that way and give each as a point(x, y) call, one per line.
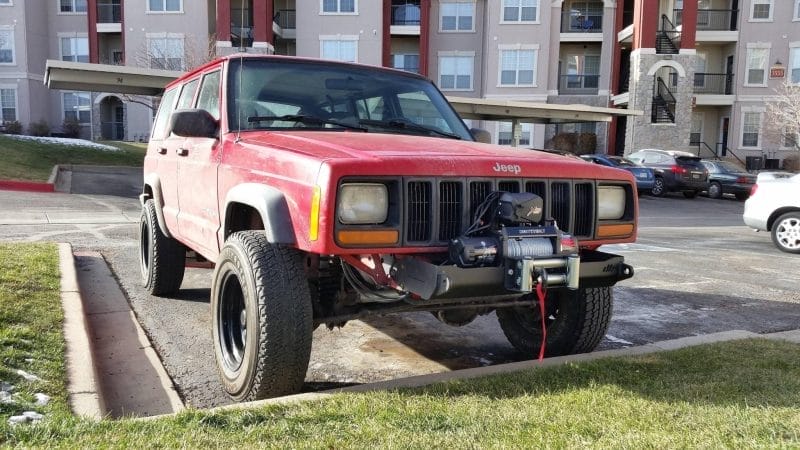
point(783, 115)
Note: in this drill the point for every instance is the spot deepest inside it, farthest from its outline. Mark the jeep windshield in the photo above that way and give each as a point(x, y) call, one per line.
point(277, 94)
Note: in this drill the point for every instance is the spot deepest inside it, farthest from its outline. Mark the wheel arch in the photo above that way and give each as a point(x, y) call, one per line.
point(779, 212)
point(268, 203)
point(152, 190)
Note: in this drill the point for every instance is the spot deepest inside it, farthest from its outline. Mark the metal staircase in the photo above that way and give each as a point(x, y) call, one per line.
point(668, 38)
point(663, 109)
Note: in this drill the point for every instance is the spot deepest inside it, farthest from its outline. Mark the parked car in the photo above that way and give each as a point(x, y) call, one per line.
point(645, 177)
point(675, 171)
point(774, 206)
point(727, 178)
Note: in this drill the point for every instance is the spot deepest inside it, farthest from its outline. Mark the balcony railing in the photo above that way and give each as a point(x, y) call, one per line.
point(109, 12)
point(582, 21)
point(286, 19)
point(405, 13)
point(713, 83)
point(578, 84)
point(711, 19)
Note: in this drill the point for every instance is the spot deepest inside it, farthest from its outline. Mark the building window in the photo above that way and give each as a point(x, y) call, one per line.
point(72, 6)
point(761, 10)
point(75, 49)
point(757, 66)
point(517, 67)
point(582, 72)
point(165, 5)
point(339, 6)
point(455, 73)
point(407, 62)
point(339, 49)
point(77, 106)
point(457, 16)
point(794, 65)
point(751, 125)
point(520, 10)
point(696, 132)
point(166, 53)
point(8, 105)
point(6, 46)
point(506, 137)
point(797, 10)
point(5, 2)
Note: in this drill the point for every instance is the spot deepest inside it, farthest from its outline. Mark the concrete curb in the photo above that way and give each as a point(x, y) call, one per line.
point(29, 186)
point(85, 397)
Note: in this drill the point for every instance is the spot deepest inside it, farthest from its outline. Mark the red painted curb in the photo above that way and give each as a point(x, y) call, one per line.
point(30, 186)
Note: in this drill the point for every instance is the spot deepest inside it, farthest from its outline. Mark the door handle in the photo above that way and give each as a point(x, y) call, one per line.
point(182, 151)
point(162, 150)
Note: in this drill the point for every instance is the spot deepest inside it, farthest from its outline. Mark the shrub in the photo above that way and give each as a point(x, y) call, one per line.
point(39, 128)
point(71, 128)
point(792, 163)
point(13, 127)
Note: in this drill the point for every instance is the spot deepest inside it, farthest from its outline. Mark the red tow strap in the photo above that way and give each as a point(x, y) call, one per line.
point(540, 292)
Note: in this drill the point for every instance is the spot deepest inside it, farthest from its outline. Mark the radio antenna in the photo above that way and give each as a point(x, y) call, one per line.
point(241, 70)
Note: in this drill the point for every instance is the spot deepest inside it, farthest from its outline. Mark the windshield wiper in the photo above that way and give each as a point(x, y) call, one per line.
point(407, 125)
point(309, 120)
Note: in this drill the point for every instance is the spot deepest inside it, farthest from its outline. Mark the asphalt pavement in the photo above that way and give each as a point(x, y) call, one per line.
point(699, 270)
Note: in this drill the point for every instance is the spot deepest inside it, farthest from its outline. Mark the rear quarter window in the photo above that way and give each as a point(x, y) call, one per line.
point(162, 117)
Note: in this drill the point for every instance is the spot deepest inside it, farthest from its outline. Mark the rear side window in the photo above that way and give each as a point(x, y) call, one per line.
point(187, 94)
point(162, 117)
point(209, 94)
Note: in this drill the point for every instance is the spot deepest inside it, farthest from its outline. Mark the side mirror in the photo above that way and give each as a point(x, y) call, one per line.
point(481, 135)
point(193, 123)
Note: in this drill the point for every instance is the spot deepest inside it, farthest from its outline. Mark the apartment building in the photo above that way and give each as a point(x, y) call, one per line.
point(700, 69)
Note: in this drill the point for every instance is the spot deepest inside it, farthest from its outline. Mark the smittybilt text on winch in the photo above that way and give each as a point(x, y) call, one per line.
point(323, 192)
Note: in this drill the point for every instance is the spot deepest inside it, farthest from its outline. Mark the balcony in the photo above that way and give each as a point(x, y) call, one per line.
point(405, 18)
point(713, 89)
point(109, 17)
point(284, 23)
point(583, 84)
point(575, 21)
point(712, 19)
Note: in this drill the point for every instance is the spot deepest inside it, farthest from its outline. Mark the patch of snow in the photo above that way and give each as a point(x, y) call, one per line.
point(6, 387)
point(5, 398)
point(27, 416)
point(33, 415)
point(28, 376)
point(64, 141)
point(41, 399)
point(484, 362)
point(618, 340)
point(16, 420)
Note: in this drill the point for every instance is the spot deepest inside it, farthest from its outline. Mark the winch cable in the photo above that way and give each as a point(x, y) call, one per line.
point(541, 293)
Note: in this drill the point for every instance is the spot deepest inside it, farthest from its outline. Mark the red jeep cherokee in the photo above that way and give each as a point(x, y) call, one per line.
point(323, 192)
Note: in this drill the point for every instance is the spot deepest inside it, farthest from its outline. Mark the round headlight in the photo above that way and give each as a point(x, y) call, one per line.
point(610, 202)
point(363, 203)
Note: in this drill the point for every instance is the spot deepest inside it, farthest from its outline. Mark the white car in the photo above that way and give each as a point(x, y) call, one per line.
point(774, 206)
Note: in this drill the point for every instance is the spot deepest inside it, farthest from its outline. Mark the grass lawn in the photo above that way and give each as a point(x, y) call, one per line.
point(33, 161)
point(731, 395)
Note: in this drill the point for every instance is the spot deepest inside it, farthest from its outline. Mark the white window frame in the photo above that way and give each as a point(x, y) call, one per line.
point(149, 37)
point(517, 48)
point(73, 12)
point(753, 4)
point(752, 110)
point(757, 46)
point(794, 61)
point(796, 16)
point(16, 101)
point(537, 20)
point(162, 11)
point(506, 127)
point(7, 3)
point(72, 36)
point(64, 111)
point(455, 54)
point(338, 38)
point(10, 31)
point(338, 11)
point(441, 16)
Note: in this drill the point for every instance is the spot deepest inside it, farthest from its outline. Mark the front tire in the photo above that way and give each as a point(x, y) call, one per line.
point(576, 323)
point(786, 232)
point(162, 260)
point(658, 187)
point(262, 318)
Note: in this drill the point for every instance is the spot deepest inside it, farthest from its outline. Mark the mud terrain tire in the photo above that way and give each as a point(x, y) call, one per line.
point(262, 318)
point(162, 260)
point(577, 322)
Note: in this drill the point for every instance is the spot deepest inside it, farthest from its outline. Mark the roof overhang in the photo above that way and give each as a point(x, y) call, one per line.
point(529, 112)
point(107, 78)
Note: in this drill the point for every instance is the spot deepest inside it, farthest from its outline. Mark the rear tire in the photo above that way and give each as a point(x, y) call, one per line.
point(786, 232)
point(162, 260)
point(262, 318)
point(658, 187)
point(578, 321)
point(714, 190)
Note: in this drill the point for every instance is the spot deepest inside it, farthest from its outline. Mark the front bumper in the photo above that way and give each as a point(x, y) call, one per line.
point(430, 281)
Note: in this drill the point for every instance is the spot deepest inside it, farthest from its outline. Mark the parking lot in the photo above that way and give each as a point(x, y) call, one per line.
point(698, 270)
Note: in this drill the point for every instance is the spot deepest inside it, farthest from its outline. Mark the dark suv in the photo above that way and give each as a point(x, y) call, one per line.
point(674, 170)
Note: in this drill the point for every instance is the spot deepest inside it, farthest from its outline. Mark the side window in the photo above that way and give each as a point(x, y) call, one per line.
point(187, 95)
point(162, 117)
point(209, 94)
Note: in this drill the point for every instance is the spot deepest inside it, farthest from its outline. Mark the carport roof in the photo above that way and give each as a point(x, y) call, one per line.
point(144, 81)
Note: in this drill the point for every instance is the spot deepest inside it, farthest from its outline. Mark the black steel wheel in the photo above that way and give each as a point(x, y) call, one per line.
point(658, 187)
point(576, 322)
point(162, 260)
point(262, 318)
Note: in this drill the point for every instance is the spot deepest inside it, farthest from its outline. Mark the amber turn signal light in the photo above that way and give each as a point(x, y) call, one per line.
point(368, 237)
point(619, 230)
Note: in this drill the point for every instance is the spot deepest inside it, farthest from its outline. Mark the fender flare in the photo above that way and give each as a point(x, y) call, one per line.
point(154, 182)
point(271, 206)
